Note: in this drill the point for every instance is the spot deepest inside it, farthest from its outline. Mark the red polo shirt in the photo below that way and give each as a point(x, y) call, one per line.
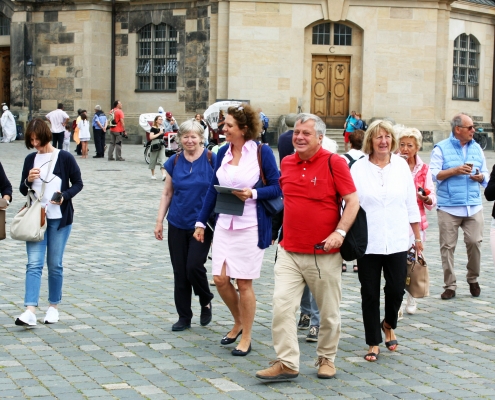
point(311, 212)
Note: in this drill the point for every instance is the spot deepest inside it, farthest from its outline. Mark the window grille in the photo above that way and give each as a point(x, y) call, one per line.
point(321, 34)
point(157, 58)
point(4, 25)
point(342, 34)
point(465, 77)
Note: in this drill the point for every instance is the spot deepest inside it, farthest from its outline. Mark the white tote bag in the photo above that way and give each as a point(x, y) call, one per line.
point(29, 225)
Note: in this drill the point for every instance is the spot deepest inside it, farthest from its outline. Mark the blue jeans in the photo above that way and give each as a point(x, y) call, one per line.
point(53, 245)
point(309, 307)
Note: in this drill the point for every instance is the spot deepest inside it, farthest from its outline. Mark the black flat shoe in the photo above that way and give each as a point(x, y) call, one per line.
point(240, 353)
point(181, 326)
point(227, 340)
point(205, 317)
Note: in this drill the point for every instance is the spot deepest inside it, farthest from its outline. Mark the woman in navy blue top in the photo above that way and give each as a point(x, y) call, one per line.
point(188, 175)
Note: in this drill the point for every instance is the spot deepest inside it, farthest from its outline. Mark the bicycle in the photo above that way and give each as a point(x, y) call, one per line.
point(480, 138)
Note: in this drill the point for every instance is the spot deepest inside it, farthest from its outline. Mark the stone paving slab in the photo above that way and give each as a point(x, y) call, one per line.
point(114, 338)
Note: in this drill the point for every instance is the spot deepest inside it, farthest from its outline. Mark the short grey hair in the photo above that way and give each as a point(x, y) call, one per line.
point(457, 120)
point(97, 107)
point(188, 126)
point(320, 126)
point(411, 133)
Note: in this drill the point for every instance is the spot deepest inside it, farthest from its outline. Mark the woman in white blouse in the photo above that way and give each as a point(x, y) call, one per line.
point(387, 193)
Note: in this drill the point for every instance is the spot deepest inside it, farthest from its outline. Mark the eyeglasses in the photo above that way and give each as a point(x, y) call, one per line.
point(470, 127)
point(41, 166)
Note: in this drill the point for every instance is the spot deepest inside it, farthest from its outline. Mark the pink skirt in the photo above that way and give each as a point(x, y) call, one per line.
point(240, 252)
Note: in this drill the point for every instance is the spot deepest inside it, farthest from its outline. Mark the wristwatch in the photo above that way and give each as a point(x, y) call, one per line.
point(341, 232)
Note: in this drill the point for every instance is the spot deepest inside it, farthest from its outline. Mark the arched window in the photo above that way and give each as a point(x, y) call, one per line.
point(465, 79)
point(4, 25)
point(157, 58)
point(342, 34)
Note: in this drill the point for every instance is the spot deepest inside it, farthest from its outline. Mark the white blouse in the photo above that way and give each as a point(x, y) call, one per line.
point(388, 196)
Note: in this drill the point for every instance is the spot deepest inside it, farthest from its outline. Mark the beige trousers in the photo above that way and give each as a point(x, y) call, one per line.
point(292, 272)
point(448, 226)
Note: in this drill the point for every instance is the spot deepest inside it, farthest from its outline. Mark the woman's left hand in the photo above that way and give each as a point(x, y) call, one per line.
point(424, 199)
point(419, 247)
point(243, 194)
point(59, 203)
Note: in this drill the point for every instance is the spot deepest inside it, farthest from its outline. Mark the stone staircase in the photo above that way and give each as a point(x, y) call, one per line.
point(336, 134)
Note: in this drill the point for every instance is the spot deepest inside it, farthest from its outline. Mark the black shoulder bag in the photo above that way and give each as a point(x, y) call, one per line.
point(356, 239)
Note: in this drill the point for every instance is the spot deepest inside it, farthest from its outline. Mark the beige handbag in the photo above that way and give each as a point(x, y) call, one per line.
point(417, 279)
point(29, 225)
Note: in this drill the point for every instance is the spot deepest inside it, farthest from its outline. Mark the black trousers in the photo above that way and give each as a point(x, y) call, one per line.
point(99, 136)
point(370, 271)
point(58, 140)
point(188, 257)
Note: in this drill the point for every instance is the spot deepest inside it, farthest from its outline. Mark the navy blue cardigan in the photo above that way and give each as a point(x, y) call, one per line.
point(5, 186)
point(68, 171)
point(270, 191)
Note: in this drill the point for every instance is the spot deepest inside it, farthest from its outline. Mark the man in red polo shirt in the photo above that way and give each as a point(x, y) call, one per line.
point(311, 217)
point(117, 132)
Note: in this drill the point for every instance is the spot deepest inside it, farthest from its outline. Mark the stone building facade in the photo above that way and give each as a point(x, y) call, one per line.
point(416, 61)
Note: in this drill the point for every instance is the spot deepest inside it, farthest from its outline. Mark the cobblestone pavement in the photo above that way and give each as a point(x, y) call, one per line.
point(114, 338)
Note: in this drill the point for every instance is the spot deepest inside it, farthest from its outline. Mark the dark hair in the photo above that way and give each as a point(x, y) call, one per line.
point(356, 139)
point(39, 129)
point(115, 103)
point(84, 115)
point(245, 117)
point(60, 106)
point(79, 111)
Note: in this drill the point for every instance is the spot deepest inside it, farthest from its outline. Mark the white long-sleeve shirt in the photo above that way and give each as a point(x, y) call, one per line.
point(388, 196)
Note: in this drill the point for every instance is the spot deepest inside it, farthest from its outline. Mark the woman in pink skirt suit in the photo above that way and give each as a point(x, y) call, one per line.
point(239, 241)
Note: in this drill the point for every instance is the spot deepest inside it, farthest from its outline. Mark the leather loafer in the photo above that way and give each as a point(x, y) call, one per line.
point(240, 353)
point(475, 289)
point(181, 326)
point(227, 340)
point(448, 294)
point(205, 317)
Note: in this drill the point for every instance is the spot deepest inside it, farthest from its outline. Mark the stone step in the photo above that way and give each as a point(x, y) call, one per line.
point(336, 134)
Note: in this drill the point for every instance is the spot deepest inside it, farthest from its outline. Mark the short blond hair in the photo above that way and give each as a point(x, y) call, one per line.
point(373, 130)
point(412, 133)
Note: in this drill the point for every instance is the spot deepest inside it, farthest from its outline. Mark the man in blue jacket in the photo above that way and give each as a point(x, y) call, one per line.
point(458, 166)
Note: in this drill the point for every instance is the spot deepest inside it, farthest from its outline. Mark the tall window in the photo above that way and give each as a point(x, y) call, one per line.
point(465, 79)
point(157, 58)
point(342, 34)
point(4, 25)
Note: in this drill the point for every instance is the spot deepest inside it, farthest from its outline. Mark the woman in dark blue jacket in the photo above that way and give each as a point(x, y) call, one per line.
point(57, 172)
point(239, 241)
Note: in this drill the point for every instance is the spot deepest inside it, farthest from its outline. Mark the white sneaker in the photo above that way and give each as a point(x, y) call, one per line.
point(411, 304)
point(26, 318)
point(400, 314)
point(51, 316)
point(153, 177)
point(163, 177)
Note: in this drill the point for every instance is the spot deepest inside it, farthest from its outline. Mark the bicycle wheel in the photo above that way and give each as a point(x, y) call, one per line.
point(483, 142)
point(147, 154)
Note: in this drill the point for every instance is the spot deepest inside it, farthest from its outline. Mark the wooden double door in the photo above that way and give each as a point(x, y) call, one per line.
point(330, 89)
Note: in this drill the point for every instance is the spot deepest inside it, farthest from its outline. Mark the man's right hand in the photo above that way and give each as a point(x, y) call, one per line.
point(463, 170)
